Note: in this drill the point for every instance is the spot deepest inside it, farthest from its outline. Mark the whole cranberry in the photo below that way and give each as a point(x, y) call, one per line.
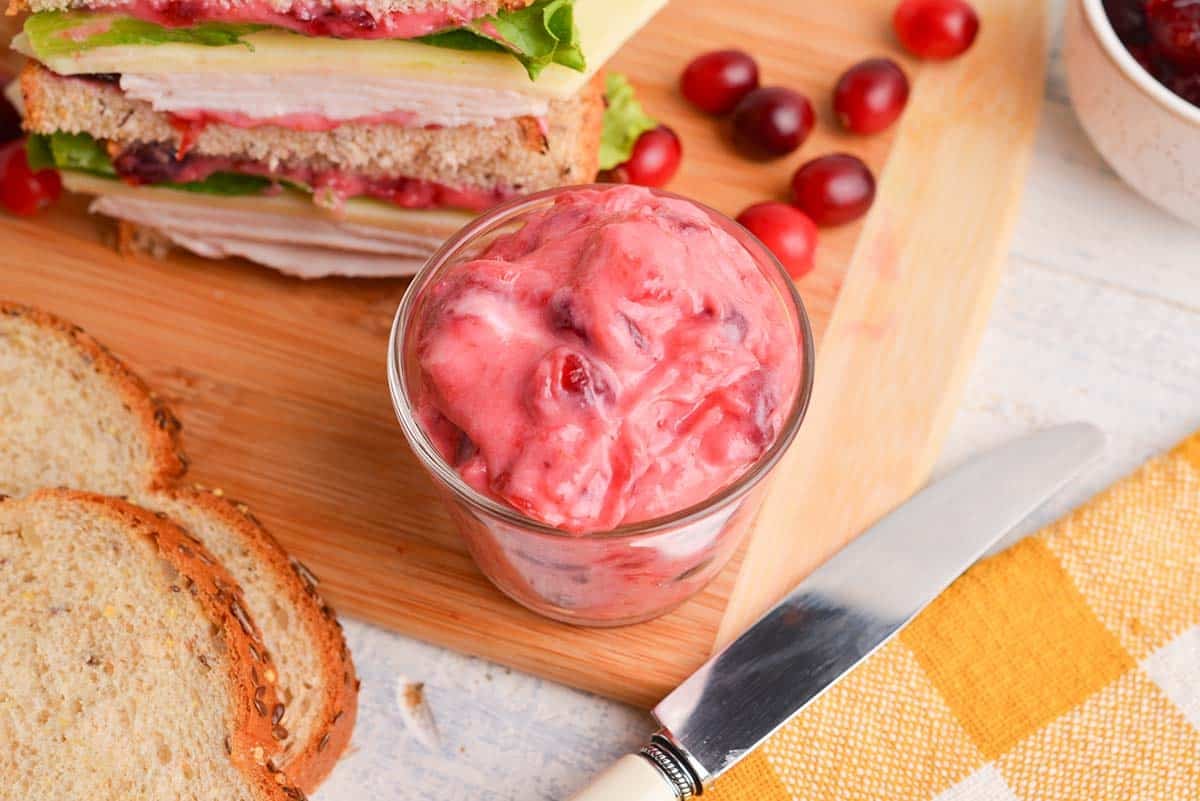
point(936, 29)
point(654, 161)
point(1128, 18)
point(870, 95)
point(1187, 86)
point(786, 231)
point(772, 122)
point(834, 189)
point(1175, 29)
point(716, 81)
point(22, 191)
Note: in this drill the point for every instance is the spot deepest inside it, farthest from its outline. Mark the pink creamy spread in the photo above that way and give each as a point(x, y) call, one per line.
point(349, 21)
point(618, 358)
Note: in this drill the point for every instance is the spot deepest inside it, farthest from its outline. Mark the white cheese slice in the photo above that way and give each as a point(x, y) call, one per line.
point(604, 26)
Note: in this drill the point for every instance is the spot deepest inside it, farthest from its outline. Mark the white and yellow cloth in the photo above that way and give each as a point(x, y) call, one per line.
point(1066, 668)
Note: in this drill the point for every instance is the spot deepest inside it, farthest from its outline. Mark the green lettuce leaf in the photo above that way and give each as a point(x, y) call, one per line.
point(82, 153)
point(65, 151)
point(538, 35)
point(624, 121)
point(64, 33)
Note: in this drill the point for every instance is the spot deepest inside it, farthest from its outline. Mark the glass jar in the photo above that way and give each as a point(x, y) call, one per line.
point(608, 578)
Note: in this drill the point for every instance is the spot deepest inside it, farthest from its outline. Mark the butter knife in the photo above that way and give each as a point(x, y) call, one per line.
point(841, 613)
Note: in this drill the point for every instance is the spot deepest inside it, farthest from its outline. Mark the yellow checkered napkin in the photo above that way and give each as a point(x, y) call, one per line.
point(1064, 669)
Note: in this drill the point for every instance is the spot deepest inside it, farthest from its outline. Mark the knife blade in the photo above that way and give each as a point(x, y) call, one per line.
point(841, 613)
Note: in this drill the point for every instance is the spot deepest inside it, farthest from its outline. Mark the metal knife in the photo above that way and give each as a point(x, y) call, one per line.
point(841, 613)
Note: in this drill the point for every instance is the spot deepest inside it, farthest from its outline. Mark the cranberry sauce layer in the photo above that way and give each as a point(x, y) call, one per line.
point(340, 21)
point(618, 358)
point(160, 163)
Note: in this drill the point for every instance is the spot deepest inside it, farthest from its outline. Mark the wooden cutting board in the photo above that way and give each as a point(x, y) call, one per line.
point(281, 386)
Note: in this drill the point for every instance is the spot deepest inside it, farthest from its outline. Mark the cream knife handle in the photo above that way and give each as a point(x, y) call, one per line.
point(630, 778)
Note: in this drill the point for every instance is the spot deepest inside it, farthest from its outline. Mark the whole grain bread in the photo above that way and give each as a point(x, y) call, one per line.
point(458, 10)
point(519, 154)
point(71, 414)
point(128, 667)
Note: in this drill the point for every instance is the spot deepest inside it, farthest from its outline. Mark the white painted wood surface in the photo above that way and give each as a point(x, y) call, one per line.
point(1098, 319)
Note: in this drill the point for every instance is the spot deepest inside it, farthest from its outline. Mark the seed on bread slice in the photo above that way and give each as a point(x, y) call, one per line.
point(128, 667)
point(71, 414)
point(317, 683)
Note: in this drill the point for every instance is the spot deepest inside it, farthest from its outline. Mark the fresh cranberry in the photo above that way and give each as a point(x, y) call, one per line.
point(1128, 18)
point(772, 121)
point(716, 81)
point(834, 189)
point(1187, 87)
point(1175, 28)
point(654, 160)
point(936, 29)
point(22, 191)
point(870, 95)
point(1142, 55)
point(787, 232)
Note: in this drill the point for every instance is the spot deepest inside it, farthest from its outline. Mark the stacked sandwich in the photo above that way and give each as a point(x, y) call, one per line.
point(320, 136)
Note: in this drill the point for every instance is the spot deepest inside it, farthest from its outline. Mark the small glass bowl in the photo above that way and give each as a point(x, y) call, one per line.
point(609, 578)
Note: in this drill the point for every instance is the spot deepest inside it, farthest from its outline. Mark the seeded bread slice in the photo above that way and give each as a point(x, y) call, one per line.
point(128, 667)
point(71, 414)
point(522, 154)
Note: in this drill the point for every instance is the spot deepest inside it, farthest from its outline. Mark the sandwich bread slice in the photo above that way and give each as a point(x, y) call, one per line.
point(71, 414)
point(128, 666)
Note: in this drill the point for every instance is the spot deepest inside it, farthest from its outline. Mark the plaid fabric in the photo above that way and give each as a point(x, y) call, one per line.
point(1066, 668)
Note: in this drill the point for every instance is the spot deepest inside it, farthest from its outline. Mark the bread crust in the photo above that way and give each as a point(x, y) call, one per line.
point(160, 428)
point(312, 760)
point(251, 672)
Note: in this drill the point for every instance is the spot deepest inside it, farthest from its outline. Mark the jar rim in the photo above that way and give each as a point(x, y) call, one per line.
point(432, 460)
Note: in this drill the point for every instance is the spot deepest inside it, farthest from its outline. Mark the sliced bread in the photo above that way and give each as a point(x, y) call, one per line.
point(71, 414)
point(128, 667)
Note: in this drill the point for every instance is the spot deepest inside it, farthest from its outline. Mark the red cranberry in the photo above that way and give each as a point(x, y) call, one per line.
point(22, 191)
point(834, 189)
point(1128, 18)
point(787, 232)
point(772, 122)
point(654, 160)
point(1187, 87)
point(870, 95)
point(936, 29)
point(1175, 28)
point(716, 81)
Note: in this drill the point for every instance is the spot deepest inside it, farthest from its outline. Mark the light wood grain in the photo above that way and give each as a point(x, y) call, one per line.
point(281, 388)
point(914, 304)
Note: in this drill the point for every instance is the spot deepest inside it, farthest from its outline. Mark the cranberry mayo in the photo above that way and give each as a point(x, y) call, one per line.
point(617, 358)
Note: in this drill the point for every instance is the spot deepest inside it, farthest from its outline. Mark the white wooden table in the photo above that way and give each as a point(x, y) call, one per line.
point(1098, 319)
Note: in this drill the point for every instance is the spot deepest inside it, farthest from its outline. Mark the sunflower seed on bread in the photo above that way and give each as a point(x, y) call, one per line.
point(71, 414)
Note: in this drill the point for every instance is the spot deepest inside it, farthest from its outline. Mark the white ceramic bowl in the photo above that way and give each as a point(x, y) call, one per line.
point(1149, 135)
